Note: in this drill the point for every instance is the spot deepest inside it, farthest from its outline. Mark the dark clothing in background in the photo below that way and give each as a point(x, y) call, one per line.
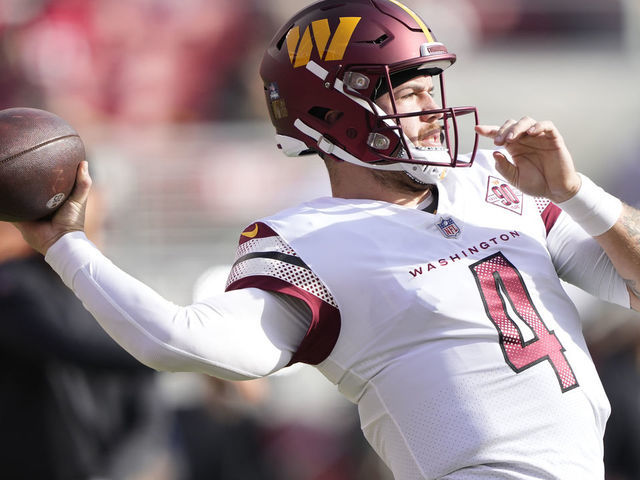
point(73, 403)
point(621, 380)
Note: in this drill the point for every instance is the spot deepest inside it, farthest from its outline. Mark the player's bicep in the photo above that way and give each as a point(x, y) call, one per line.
point(247, 332)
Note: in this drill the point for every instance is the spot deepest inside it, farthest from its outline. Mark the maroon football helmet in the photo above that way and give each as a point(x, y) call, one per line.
point(339, 56)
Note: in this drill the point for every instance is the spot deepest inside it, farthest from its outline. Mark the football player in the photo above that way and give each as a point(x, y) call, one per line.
point(427, 287)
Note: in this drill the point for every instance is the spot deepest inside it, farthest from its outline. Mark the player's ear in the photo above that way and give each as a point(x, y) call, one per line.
point(332, 116)
point(326, 114)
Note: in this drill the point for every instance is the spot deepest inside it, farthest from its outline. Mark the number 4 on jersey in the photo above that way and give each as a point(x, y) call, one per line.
point(500, 282)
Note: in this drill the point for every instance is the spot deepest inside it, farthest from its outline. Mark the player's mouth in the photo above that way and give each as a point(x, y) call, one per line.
point(431, 138)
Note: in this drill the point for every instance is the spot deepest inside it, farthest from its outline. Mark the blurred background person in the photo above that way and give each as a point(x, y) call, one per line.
point(216, 423)
point(140, 61)
point(73, 403)
point(615, 347)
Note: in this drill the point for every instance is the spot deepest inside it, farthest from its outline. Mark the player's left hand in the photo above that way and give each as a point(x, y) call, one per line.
point(542, 165)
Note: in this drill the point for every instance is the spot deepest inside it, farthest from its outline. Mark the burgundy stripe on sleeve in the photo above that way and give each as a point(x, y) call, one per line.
point(324, 329)
point(549, 216)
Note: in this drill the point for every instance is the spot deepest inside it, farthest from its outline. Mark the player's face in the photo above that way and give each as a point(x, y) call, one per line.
point(416, 95)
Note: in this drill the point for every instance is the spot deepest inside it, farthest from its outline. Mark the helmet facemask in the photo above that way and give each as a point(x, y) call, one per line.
point(388, 141)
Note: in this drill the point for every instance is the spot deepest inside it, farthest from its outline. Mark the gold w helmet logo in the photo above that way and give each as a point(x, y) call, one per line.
point(300, 48)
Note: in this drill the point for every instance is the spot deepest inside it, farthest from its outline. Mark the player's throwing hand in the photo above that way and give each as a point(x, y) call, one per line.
point(41, 234)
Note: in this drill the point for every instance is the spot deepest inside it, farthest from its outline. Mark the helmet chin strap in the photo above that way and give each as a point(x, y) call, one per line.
point(425, 174)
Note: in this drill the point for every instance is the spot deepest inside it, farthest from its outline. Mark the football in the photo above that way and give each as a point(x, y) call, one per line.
point(39, 156)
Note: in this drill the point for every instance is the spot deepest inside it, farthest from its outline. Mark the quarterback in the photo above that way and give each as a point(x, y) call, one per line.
point(427, 287)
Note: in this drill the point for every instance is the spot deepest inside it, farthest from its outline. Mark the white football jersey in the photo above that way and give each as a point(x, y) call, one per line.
point(451, 331)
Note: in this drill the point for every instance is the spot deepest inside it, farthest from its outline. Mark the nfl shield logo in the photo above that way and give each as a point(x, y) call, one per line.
point(448, 227)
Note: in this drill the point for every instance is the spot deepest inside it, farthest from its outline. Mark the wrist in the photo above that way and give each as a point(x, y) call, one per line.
point(67, 255)
point(49, 242)
point(575, 185)
point(595, 210)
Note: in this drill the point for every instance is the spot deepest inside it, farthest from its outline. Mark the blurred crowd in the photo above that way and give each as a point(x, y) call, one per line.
point(185, 64)
point(132, 62)
point(196, 60)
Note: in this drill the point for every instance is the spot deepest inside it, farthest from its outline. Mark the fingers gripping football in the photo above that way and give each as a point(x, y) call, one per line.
point(41, 234)
point(71, 215)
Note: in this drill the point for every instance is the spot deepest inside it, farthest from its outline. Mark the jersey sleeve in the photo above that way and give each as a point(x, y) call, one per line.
point(235, 335)
point(578, 258)
point(266, 261)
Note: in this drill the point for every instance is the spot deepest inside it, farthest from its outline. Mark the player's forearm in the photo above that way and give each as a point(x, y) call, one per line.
point(615, 226)
point(157, 332)
point(622, 245)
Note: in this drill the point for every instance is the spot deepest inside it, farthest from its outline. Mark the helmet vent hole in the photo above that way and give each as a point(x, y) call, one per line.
point(332, 6)
point(283, 38)
point(378, 41)
point(381, 39)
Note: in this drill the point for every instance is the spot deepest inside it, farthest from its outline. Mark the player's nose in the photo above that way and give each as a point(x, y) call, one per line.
point(431, 111)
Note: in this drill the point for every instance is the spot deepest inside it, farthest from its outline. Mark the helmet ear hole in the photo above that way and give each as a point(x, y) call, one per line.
point(332, 116)
point(326, 114)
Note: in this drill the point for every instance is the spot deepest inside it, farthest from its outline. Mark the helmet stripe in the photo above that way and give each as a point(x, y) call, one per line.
point(423, 26)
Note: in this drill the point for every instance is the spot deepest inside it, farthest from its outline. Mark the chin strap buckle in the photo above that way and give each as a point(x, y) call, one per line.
point(325, 145)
